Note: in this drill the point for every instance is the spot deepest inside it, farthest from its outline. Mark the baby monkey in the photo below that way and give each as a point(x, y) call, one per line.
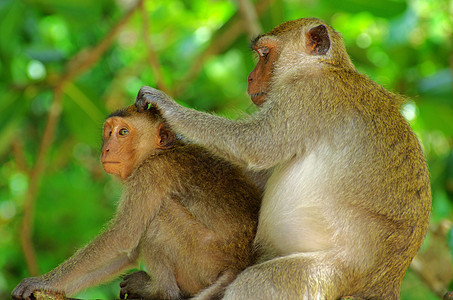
point(189, 215)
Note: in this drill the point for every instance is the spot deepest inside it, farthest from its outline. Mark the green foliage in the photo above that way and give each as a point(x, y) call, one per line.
point(405, 45)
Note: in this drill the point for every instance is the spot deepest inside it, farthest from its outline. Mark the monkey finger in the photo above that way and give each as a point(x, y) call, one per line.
point(19, 293)
point(126, 294)
point(28, 294)
point(123, 284)
point(148, 95)
point(141, 104)
point(147, 90)
point(145, 96)
point(125, 281)
point(126, 277)
point(22, 296)
point(124, 290)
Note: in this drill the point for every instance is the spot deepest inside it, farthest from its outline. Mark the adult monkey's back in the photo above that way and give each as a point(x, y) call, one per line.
point(348, 202)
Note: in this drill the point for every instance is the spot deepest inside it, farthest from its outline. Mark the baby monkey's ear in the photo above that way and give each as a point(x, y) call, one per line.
point(166, 138)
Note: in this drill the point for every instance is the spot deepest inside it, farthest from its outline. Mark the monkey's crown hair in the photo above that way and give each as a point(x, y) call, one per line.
point(131, 111)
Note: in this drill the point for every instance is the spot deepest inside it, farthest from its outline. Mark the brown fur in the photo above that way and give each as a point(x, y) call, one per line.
point(189, 215)
point(347, 204)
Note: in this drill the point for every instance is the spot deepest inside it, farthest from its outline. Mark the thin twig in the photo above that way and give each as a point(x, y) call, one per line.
point(223, 38)
point(153, 60)
point(249, 18)
point(35, 180)
point(88, 57)
point(19, 155)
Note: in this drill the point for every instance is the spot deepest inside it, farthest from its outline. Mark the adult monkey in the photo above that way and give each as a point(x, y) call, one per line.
point(348, 202)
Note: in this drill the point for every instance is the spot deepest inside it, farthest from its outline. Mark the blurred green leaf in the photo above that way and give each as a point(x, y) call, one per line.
point(383, 8)
point(437, 116)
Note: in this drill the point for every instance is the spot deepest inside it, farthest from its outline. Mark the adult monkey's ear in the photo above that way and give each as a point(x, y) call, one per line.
point(165, 137)
point(318, 40)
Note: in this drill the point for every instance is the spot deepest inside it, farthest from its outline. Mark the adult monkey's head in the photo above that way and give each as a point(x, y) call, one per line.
point(294, 47)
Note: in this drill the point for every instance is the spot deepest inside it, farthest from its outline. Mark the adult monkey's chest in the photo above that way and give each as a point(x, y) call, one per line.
point(293, 215)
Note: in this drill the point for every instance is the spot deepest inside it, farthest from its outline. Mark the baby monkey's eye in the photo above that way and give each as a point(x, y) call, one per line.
point(123, 132)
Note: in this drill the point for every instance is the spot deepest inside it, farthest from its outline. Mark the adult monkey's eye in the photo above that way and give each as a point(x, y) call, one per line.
point(123, 132)
point(263, 51)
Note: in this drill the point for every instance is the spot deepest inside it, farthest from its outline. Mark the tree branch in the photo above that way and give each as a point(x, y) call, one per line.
point(153, 60)
point(433, 264)
point(223, 38)
point(249, 18)
point(35, 179)
point(81, 62)
point(19, 155)
point(88, 57)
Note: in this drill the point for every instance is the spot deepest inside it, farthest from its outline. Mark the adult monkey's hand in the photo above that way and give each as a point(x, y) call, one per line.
point(148, 95)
